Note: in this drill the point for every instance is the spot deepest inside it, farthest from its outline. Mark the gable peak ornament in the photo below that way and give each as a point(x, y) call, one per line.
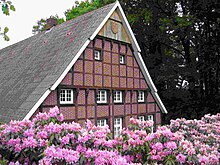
point(114, 27)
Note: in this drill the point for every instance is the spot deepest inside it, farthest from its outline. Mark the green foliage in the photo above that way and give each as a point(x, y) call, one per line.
point(81, 8)
point(180, 42)
point(6, 7)
point(132, 18)
point(77, 10)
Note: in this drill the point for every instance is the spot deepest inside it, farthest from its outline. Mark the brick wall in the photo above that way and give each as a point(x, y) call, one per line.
point(88, 75)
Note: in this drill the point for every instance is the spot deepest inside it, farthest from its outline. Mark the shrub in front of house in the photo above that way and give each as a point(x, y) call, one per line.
point(47, 140)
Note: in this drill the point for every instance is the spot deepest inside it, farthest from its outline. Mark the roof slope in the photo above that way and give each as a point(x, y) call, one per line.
point(30, 67)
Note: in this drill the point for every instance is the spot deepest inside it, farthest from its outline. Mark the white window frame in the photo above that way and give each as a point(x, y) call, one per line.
point(141, 96)
point(97, 55)
point(101, 122)
point(141, 118)
point(101, 96)
point(122, 59)
point(151, 118)
point(66, 96)
point(117, 127)
point(118, 96)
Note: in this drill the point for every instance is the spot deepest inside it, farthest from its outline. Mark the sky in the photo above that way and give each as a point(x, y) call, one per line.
point(27, 13)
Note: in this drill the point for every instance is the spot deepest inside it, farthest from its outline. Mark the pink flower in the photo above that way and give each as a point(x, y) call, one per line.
point(18, 148)
point(171, 145)
point(54, 112)
point(13, 142)
point(65, 140)
point(157, 146)
point(29, 142)
point(81, 148)
point(42, 135)
point(16, 163)
point(203, 159)
point(156, 157)
point(43, 143)
point(29, 133)
point(181, 158)
point(60, 117)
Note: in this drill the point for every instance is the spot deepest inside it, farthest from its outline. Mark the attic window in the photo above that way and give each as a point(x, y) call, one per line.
point(122, 59)
point(141, 96)
point(97, 55)
point(66, 96)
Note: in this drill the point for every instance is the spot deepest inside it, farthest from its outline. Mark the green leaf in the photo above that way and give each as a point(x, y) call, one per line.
point(12, 8)
point(6, 30)
point(6, 38)
point(5, 9)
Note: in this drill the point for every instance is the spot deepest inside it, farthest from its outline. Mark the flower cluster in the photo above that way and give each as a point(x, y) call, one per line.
point(47, 140)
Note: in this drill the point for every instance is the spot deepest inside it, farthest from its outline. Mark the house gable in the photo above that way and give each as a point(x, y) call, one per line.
point(115, 17)
point(114, 28)
point(88, 75)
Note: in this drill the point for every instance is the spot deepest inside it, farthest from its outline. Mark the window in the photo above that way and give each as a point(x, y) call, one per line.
point(117, 127)
point(102, 96)
point(97, 55)
point(66, 96)
point(101, 122)
point(122, 59)
point(141, 118)
point(151, 118)
point(118, 97)
point(140, 96)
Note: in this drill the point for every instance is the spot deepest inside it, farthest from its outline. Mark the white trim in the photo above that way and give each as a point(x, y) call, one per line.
point(146, 73)
point(100, 95)
point(65, 96)
point(122, 59)
point(151, 118)
point(99, 122)
point(117, 126)
point(98, 55)
point(70, 65)
point(141, 118)
point(141, 96)
point(120, 97)
point(160, 103)
point(39, 102)
point(44, 96)
point(128, 27)
point(140, 59)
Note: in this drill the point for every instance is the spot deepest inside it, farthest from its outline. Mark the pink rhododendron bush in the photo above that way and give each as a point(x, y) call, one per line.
point(47, 140)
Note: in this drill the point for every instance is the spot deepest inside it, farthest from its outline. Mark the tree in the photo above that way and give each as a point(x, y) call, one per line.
point(181, 51)
point(77, 10)
point(6, 8)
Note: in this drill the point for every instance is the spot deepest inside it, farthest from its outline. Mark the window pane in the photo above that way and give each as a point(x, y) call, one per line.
point(122, 59)
point(101, 122)
point(102, 96)
point(118, 96)
point(140, 96)
point(66, 96)
point(141, 118)
point(97, 54)
point(117, 126)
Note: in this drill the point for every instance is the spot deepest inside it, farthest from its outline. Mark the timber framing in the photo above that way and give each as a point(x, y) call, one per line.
point(79, 71)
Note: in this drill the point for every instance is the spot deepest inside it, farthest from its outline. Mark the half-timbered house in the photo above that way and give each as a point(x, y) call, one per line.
point(90, 67)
